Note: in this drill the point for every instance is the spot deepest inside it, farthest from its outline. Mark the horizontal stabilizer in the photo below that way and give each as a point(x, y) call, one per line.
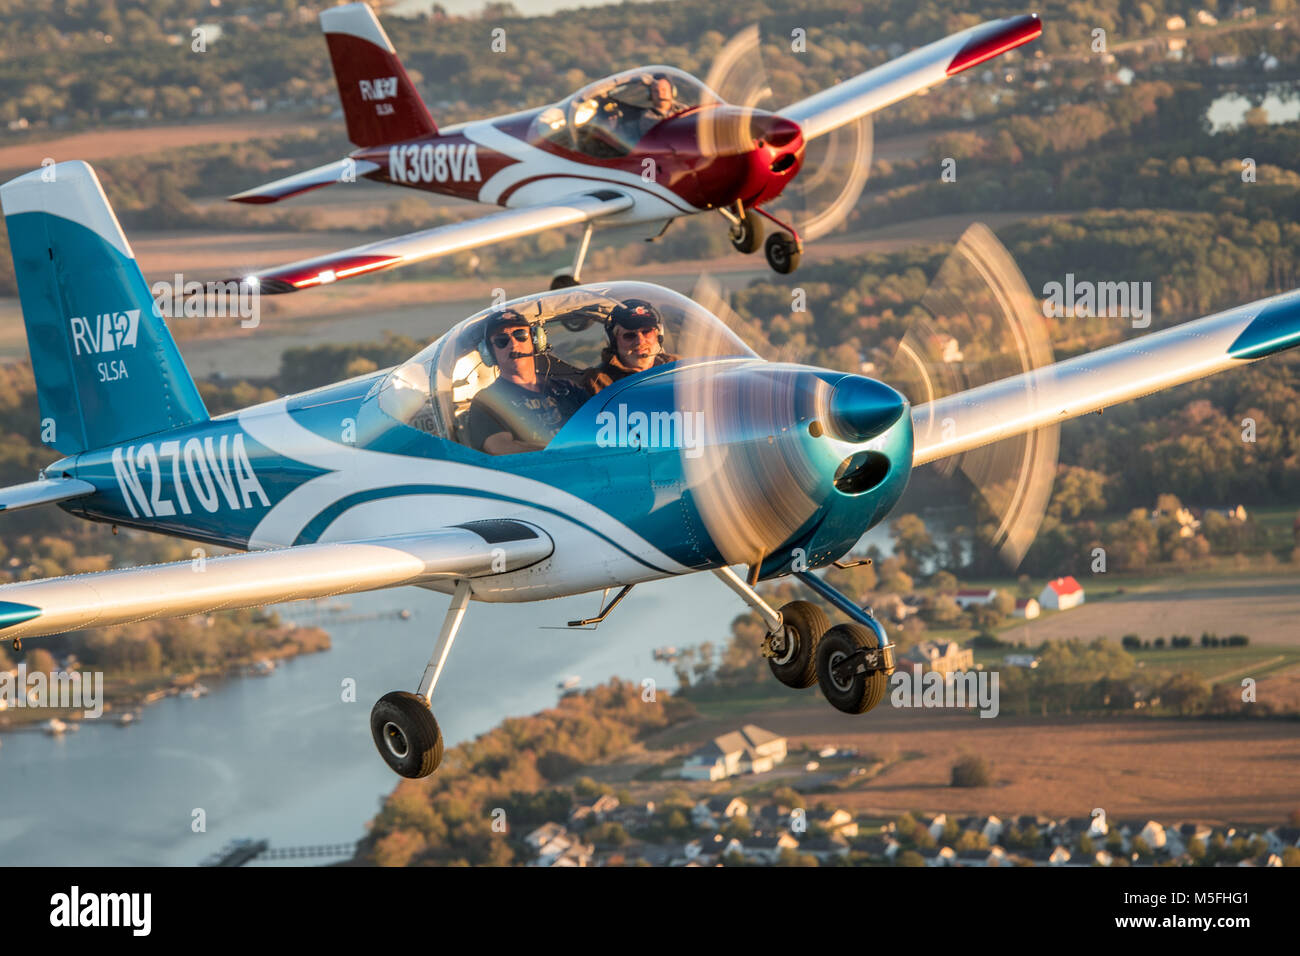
point(343, 171)
point(438, 241)
point(46, 491)
point(56, 605)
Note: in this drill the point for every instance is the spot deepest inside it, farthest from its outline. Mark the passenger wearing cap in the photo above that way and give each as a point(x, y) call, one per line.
point(524, 408)
point(636, 339)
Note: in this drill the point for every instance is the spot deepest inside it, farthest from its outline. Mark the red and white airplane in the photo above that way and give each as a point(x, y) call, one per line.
point(642, 147)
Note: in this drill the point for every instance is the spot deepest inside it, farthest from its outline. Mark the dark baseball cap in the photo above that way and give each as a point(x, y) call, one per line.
point(635, 314)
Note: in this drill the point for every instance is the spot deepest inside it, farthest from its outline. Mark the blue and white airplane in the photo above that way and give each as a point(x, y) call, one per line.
point(696, 455)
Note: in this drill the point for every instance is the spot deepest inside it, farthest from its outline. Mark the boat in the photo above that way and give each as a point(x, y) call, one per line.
point(54, 727)
point(263, 667)
point(194, 691)
point(126, 718)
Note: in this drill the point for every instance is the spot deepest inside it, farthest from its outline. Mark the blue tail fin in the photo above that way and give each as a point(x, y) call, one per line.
point(107, 369)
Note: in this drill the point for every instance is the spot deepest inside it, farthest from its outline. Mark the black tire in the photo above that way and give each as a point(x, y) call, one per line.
point(747, 235)
point(782, 253)
point(862, 691)
point(406, 735)
point(564, 281)
point(796, 662)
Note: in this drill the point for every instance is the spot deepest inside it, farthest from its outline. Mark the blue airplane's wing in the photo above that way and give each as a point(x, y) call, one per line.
point(1096, 380)
point(204, 585)
point(43, 492)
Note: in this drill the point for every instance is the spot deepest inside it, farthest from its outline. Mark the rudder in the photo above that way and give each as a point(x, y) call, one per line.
point(107, 369)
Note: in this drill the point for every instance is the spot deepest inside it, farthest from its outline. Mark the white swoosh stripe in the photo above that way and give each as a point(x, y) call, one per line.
point(351, 470)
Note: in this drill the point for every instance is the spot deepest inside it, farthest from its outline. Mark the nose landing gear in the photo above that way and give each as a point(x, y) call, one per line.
point(746, 230)
point(791, 651)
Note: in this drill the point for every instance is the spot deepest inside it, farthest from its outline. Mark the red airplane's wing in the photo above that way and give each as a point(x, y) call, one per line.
point(910, 74)
point(439, 241)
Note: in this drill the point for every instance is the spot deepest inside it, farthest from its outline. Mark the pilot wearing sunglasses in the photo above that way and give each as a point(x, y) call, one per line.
point(636, 343)
point(524, 408)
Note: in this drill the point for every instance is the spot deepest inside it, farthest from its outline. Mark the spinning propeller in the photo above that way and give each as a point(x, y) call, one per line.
point(978, 324)
point(835, 166)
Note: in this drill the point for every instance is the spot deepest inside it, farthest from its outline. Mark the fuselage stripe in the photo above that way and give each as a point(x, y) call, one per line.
point(314, 528)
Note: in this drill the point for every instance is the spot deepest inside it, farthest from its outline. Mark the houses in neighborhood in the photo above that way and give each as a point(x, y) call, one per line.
point(556, 846)
point(725, 829)
point(750, 749)
point(1061, 594)
point(946, 657)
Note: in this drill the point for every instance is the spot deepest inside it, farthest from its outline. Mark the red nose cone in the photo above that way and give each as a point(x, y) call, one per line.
point(780, 132)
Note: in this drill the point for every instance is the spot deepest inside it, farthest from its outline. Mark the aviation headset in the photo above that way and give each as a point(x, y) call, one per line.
point(633, 314)
point(508, 318)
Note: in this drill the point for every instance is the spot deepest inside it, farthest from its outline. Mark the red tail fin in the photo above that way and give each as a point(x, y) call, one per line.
point(379, 100)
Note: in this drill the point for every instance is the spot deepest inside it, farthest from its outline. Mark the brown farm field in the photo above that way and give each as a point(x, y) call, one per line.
point(95, 145)
point(1214, 771)
point(1266, 608)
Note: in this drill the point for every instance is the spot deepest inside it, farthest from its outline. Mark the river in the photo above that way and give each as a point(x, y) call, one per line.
point(284, 757)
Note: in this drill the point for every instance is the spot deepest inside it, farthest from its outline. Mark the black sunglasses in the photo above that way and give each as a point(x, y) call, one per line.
point(501, 340)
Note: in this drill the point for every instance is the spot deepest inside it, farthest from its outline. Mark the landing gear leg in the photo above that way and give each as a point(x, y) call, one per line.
point(401, 723)
point(746, 231)
point(793, 633)
point(566, 279)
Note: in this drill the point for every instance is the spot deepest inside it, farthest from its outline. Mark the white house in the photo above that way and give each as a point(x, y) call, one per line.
point(1061, 594)
point(748, 750)
point(767, 849)
point(704, 813)
point(1153, 834)
point(974, 597)
point(840, 822)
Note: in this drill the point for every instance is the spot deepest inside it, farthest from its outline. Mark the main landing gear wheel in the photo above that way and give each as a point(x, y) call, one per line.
point(847, 691)
point(406, 734)
point(747, 234)
point(563, 281)
point(782, 253)
point(794, 650)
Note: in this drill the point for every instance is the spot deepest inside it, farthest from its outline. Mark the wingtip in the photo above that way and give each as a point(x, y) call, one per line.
point(12, 613)
point(1000, 37)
